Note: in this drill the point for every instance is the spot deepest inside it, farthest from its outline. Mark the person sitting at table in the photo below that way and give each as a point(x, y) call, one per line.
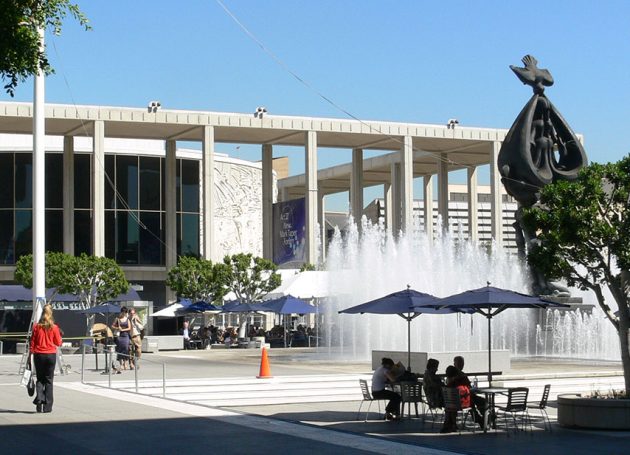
point(453, 379)
point(432, 385)
point(381, 377)
point(479, 403)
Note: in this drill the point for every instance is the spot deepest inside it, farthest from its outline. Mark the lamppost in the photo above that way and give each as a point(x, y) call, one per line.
point(39, 184)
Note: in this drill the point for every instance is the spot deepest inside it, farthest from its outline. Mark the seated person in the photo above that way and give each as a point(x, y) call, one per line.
point(432, 385)
point(450, 416)
point(186, 334)
point(381, 377)
point(479, 403)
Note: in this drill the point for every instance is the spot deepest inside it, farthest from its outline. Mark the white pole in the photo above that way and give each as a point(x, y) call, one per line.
point(39, 157)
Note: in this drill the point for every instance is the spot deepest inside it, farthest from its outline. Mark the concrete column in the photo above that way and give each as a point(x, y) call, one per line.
point(473, 205)
point(310, 160)
point(68, 195)
point(443, 191)
point(427, 182)
point(356, 186)
point(321, 219)
point(395, 196)
point(406, 184)
point(496, 217)
point(170, 204)
point(98, 189)
point(207, 209)
point(387, 193)
point(283, 194)
point(267, 200)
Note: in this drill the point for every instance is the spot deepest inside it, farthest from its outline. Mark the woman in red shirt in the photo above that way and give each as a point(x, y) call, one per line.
point(45, 339)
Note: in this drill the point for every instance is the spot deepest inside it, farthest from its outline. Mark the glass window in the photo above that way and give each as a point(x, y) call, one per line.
point(151, 239)
point(127, 233)
point(127, 181)
point(23, 180)
point(6, 182)
point(149, 183)
point(189, 235)
point(190, 186)
point(82, 181)
point(23, 233)
point(6, 237)
point(83, 232)
point(110, 234)
point(178, 186)
point(54, 180)
point(54, 230)
point(110, 182)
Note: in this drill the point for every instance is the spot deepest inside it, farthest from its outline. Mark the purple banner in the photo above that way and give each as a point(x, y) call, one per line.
point(289, 231)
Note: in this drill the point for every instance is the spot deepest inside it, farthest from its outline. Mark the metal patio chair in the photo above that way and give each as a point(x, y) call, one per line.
point(453, 403)
point(516, 406)
point(411, 392)
point(367, 396)
point(542, 407)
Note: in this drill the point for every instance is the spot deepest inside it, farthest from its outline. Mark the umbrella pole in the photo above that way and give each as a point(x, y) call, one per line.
point(408, 344)
point(489, 316)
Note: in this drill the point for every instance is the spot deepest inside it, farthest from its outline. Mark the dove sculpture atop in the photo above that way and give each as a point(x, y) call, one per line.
point(531, 75)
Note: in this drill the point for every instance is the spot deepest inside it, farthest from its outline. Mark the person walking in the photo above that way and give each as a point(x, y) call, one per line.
point(136, 338)
point(123, 326)
point(45, 340)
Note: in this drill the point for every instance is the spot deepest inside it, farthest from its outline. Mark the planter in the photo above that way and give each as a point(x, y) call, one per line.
point(595, 413)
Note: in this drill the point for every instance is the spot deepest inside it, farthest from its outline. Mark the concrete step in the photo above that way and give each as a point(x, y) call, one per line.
point(233, 392)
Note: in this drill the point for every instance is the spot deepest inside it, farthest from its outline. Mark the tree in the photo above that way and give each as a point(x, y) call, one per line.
point(583, 231)
point(97, 280)
point(57, 267)
point(20, 20)
point(198, 279)
point(249, 277)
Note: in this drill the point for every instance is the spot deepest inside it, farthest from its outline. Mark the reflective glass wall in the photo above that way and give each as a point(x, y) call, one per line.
point(16, 204)
point(134, 207)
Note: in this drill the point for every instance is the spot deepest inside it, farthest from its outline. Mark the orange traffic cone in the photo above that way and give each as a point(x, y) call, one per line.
point(265, 371)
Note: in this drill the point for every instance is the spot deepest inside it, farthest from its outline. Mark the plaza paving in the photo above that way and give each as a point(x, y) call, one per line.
point(215, 403)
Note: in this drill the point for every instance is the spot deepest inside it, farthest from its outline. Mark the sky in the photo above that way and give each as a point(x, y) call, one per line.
point(409, 61)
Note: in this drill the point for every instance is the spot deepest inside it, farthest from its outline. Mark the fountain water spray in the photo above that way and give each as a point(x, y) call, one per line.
point(374, 264)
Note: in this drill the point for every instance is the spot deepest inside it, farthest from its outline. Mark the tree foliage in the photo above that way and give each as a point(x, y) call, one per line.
point(198, 279)
point(249, 277)
point(583, 236)
point(20, 20)
point(92, 279)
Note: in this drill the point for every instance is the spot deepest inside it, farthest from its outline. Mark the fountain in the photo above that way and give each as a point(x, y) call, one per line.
point(373, 264)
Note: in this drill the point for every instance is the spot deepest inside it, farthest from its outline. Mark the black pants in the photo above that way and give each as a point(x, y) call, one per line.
point(45, 371)
point(393, 407)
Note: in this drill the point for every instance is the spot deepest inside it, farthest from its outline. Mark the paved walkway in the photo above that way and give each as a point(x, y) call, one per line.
point(96, 420)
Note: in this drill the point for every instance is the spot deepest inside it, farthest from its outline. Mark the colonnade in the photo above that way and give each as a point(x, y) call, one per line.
point(398, 192)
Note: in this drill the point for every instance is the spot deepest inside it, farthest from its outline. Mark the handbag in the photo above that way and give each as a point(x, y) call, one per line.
point(27, 377)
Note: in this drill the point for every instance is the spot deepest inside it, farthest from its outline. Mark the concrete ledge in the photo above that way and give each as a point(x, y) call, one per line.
point(595, 413)
point(164, 342)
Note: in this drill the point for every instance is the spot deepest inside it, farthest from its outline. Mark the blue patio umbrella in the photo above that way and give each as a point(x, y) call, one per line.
point(489, 301)
point(236, 306)
point(197, 307)
point(405, 304)
point(288, 305)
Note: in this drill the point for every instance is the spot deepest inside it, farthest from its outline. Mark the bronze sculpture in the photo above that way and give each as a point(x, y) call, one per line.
point(540, 148)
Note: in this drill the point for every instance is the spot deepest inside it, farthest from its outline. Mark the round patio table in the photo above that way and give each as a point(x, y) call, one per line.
point(490, 414)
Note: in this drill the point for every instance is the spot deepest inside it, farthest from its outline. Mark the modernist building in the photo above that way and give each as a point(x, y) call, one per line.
point(459, 216)
point(146, 205)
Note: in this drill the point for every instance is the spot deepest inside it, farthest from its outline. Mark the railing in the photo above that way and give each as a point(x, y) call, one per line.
point(109, 352)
